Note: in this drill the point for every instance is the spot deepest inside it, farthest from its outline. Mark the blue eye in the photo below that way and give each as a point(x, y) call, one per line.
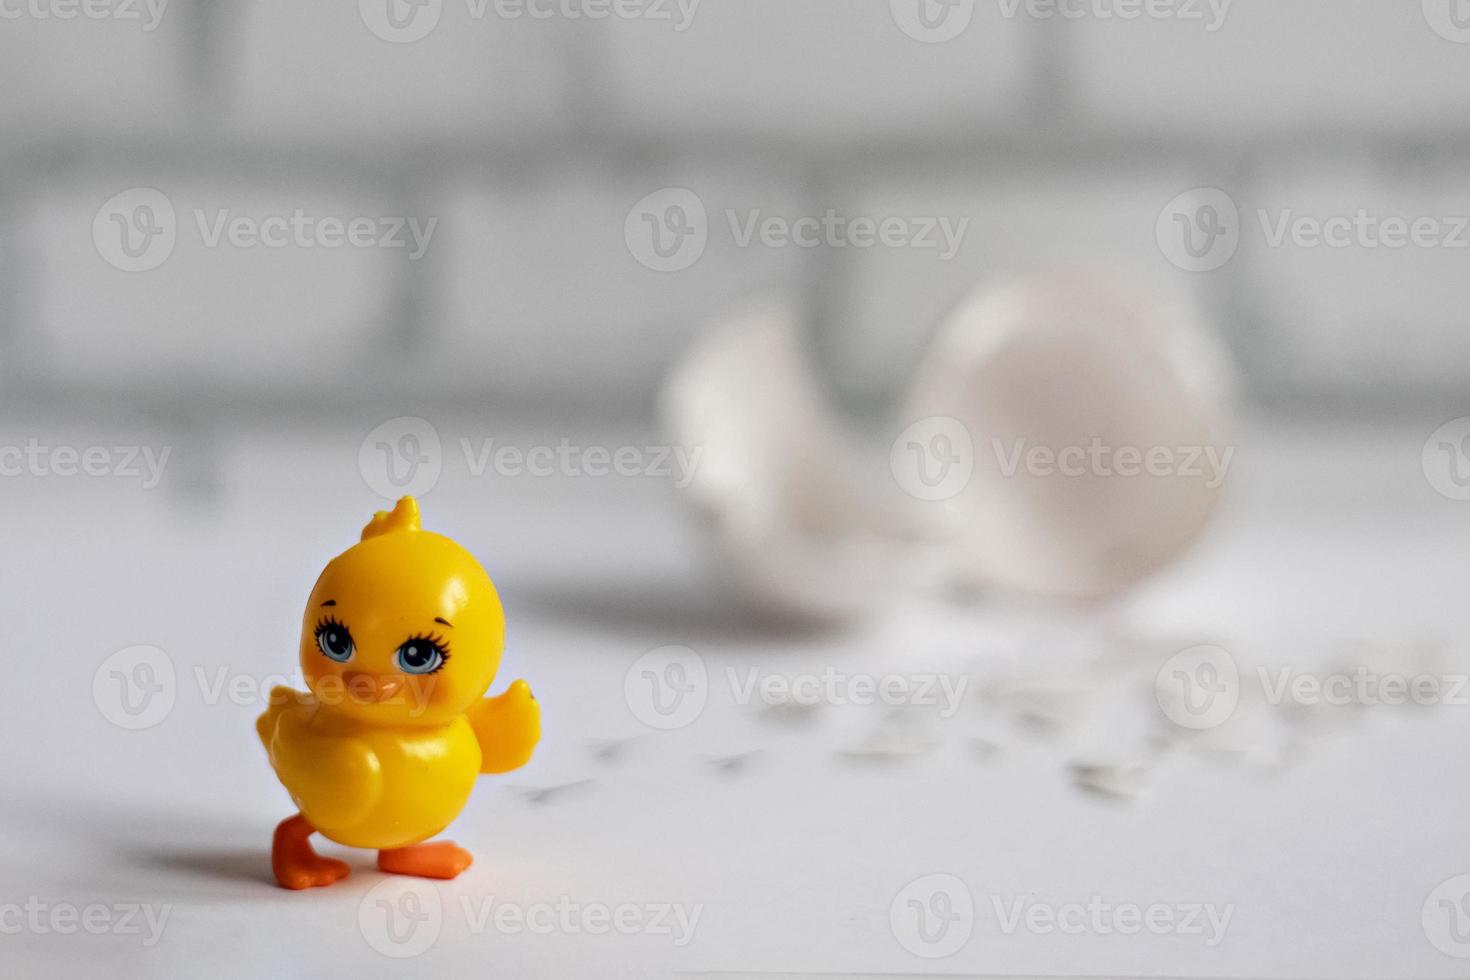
point(421, 655)
point(333, 640)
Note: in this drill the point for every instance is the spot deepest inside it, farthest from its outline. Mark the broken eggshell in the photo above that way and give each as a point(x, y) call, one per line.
point(1128, 387)
point(777, 487)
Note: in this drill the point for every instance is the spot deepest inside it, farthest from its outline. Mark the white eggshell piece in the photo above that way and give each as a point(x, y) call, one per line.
point(1033, 370)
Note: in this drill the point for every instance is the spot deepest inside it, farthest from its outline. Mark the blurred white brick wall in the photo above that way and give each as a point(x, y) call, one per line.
point(1362, 305)
point(317, 72)
point(1013, 225)
point(530, 134)
point(1272, 66)
point(209, 316)
point(63, 77)
point(538, 287)
point(813, 69)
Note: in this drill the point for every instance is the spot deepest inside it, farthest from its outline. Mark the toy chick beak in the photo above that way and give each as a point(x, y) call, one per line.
point(370, 688)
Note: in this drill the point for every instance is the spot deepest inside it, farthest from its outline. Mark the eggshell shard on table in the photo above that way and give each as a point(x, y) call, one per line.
point(777, 484)
point(1082, 431)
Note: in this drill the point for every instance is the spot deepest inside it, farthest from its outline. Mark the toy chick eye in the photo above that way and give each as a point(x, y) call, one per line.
point(333, 640)
point(421, 655)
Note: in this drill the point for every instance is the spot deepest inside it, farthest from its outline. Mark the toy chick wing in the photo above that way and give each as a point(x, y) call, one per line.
point(507, 728)
point(335, 779)
point(281, 699)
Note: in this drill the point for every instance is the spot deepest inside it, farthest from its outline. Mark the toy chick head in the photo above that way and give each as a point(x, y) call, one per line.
point(403, 628)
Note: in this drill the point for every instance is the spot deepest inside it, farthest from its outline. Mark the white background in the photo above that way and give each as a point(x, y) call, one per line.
point(1325, 843)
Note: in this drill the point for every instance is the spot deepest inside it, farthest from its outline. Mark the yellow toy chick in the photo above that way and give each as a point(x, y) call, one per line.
point(402, 636)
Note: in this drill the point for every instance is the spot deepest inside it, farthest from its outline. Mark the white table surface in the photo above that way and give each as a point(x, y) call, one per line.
point(1325, 844)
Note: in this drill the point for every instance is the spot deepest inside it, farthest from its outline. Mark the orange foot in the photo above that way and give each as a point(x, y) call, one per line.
point(440, 859)
point(296, 865)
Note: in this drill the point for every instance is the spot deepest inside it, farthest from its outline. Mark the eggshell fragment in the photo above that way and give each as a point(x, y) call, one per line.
point(1068, 437)
point(777, 488)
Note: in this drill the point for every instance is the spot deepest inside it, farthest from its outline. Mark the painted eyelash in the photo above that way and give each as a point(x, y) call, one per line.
point(331, 621)
point(439, 643)
point(433, 638)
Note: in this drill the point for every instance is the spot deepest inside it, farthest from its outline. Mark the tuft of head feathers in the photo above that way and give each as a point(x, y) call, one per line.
point(404, 517)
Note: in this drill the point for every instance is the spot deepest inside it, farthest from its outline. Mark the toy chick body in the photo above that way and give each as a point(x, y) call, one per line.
point(401, 638)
